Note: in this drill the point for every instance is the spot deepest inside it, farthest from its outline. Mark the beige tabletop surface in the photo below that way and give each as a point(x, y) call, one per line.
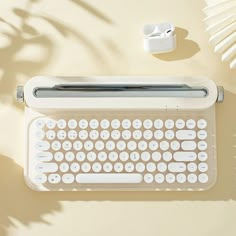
point(101, 37)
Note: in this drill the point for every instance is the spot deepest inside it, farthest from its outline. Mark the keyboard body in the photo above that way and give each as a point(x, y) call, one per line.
point(120, 149)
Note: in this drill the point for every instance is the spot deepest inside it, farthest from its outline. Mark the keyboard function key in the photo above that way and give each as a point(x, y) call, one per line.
point(190, 124)
point(202, 124)
point(179, 124)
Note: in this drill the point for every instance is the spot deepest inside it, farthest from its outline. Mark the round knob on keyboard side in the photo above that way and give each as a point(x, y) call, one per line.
point(220, 97)
point(20, 94)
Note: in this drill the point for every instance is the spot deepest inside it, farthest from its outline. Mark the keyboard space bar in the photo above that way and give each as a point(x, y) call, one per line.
point(109, 178)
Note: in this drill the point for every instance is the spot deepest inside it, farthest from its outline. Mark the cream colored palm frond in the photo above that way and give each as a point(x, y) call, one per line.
point(221, 26)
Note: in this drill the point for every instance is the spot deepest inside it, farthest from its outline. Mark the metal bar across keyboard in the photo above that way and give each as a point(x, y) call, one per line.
point(87, 90)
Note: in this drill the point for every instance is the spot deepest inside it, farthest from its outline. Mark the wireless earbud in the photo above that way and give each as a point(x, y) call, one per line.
point(159, 38)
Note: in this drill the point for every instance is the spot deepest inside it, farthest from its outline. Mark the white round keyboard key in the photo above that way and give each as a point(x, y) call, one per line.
point(105, 134)
point(83, 124)
point(147, 134)
point(72, 134)
point(126, 134)
point(40, 134)
point(93, 134)
point(192, 178)
point(158, 124)
point(192, 167)
point(142, 145)
point(91, 156)
point(179, 124)
point(156, 156)
point(126, 124)
point(88, 145)
point(140, 167)
point(99, 145)
point(148, 178)
point(153, 145)
point(61, 124)
point(68, 178)
point(56, 145)
point(162, 167)
point(201, 124)
point(67, 145)
point(115, 134)
point(147, 124)
point(85, 167)
point(105, 124)
point(83, 134)
point(77, 145)
point(80, 156)
point(50, 134)
point(72, 124)
point(40, 179)
point(167, 156)
point(145, 156)
point(58, 156)
point(203, 178)
point(75, 167)
point(129, 167)
point(64, 167)
point(151, 167)
point(137, 124)
point(113, 156)
point(159, 178)
point(51, 124)
point(137, 134)
point(69, 156)
point(202, 156)
point(202, 134)
point(175, 145)
point(124, 156)
point(181, 178)
point(132, 145)
point(170, 178)
point(102, 156)
point(107, 167)
point(115, 124)
point(118, 167)
point(96, 167)
point(121, 145)
point(93, 124)
point(158, 134)
point(190, 124)
point(54, 178)
point(39, 123)
point(134, 156)
point(169, 134)
point(110, 145)
point(202, 167)
point(169, 124)
point(202, 145)
point(61, 134)
point(164, 145)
